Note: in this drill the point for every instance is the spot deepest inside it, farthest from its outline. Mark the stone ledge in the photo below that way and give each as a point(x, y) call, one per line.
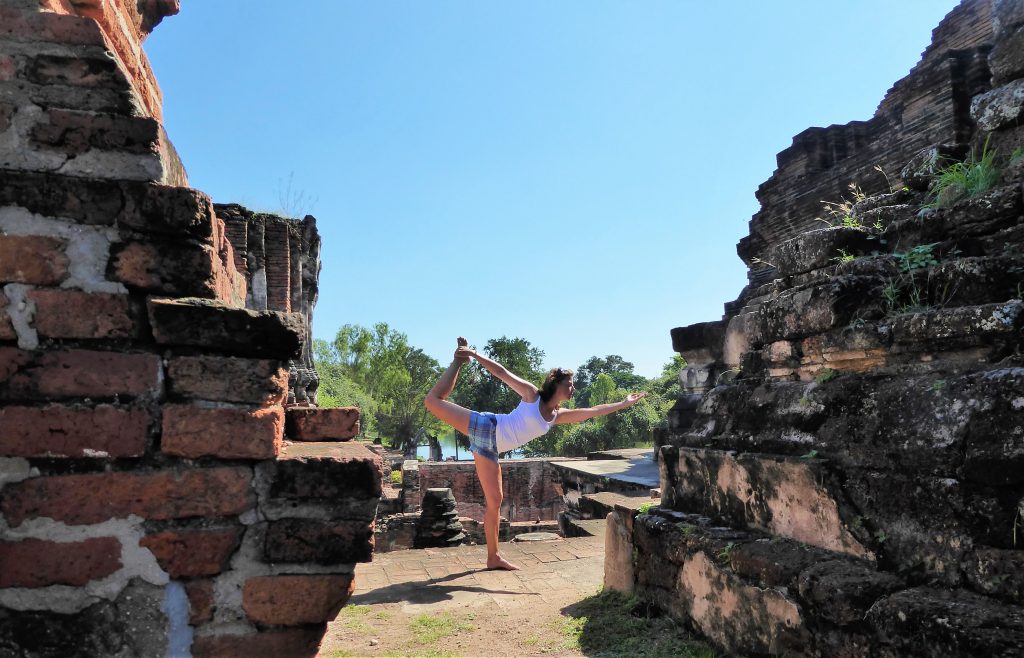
point(320, 424)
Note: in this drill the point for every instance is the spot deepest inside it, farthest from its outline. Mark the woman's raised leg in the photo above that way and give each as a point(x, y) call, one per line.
point(489, 473)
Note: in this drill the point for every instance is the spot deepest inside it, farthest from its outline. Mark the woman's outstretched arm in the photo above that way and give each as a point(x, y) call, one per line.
point(525, 389)
point(566, 416)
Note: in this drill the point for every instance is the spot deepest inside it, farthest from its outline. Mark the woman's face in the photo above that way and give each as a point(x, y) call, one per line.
point(567, 388)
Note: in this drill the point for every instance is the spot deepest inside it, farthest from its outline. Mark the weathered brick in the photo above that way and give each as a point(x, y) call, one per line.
point(7, 112)
point(228, 379)
point(200, 601)
point(167, 209)
point(173, 268)
point(318, 424)
point(75, 132)
point(76, 373)
point(75, 314)
point(326, 471)
point(39, 563)
point(76, 71)
point(282, 643)
point(6, 328)
point(8, 68)
point(89, 201)
point(45, 26)
point(73, 431)
point(190, 554)
point(294, 600)
point(192, 431)
point(238, 331)
point(156, 495)
point(322, 542)
point(33, 259)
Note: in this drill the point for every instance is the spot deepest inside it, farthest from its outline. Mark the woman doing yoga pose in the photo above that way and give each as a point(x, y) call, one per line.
point(490, 434)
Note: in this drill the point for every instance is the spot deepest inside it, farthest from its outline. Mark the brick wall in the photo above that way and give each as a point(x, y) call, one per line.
point(532, 489)
point(149, 504)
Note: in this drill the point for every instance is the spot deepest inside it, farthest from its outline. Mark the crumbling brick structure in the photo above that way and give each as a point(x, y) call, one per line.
point(150, 502)
point(846, 477)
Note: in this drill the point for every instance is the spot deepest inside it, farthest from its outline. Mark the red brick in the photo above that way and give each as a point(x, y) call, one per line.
point(84, 200)
point(73, 431)
point(318, 424)
point(190, 554)
point(75, 132)
point(6, 328)
point(34, 259)
point(281, 643)
point(192, 431)
point(321, 542)
point(75, 71)
point(228, 379)
point(8, 68)
point(157, 495)
point(200, 601)
point(44, 26)
point(294, 600)
point(76, 373)
point(169, 210)
point(38, 563)
point(181, 269)
point(75, 314)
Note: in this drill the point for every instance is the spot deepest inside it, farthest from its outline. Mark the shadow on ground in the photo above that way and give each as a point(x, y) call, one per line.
point(427, 591)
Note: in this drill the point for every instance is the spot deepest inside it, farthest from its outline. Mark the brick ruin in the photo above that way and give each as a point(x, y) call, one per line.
point(167, 484)
point(845, 476)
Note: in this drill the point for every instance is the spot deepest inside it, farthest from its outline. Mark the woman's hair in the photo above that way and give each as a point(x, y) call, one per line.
point(555, 377)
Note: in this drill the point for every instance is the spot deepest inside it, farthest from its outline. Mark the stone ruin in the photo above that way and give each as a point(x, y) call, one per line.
point(167, 484)
point(846, 476)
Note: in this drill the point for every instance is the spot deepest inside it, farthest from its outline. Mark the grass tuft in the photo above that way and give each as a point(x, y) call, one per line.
point(428, 628)
point(965, 179)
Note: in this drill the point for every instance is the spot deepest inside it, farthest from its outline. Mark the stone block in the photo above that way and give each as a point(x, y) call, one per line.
point(842, 592)
point(74, 132)
point(955, 623)
point(817, 249)
point(73, 431)
point(618, 553)
point(232, 433)
point(88, 201)
point(74, 314)
point(320, 542)
point(776, 562)
point(164, 209)
point(40, 563)
point(1006, 60)
point(154, 495)
point(193, 553)
point(321, 424)
point(326, 472)
point(1006, 15)
point(89, 72)
point(997, 572)
point(183, 269)
point(294, 600)
point(77, 373)
point(235, 331)
point(815, 309)
point(282, 643)
point(228, 379)
point(966, 323)
point(32, 259)
point(200, 601)
point(1000, 108)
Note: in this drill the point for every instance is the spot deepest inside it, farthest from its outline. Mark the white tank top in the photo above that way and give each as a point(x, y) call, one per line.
point(521, 426)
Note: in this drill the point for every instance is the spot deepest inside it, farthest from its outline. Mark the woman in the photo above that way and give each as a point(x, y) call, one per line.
point(490, 434)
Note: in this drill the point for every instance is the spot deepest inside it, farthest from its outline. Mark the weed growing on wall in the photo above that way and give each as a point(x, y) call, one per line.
point(966, 179)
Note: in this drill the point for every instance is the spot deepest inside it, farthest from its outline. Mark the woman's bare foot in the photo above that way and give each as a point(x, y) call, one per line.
point(498, 562)
point(461, 342)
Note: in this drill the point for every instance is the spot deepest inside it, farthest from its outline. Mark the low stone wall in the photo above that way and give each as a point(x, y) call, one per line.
point(532, 488)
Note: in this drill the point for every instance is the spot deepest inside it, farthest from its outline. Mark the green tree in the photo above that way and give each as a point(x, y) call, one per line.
point(477, 389)
point(614, 366)
point(336, 389)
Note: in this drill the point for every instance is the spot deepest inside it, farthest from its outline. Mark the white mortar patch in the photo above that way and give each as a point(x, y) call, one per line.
point(21, 311)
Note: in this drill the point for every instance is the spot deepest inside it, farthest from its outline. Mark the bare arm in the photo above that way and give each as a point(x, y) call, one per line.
point(566, 416)
point(525, 389)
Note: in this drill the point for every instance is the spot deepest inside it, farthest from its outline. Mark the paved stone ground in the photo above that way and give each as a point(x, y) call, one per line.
point(443, 578)
point(501, 613)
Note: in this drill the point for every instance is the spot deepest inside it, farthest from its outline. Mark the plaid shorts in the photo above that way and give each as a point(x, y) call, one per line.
point(483, 436)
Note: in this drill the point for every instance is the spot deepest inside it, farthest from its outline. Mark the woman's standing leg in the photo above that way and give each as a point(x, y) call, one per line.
point(489, 473)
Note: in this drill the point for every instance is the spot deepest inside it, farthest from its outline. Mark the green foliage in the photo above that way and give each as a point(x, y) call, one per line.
point(843, 258)
point(841, 213)
point(396, 477)
point(477, 389)
point(601, 391)
point(938, 384)
point(429, 628)
point(646, 507)
point(917, 258)
point(966, 179)
point(725, 554)
point(615, 367)
point(612, 624)
point(825, 375)
point(810, 455)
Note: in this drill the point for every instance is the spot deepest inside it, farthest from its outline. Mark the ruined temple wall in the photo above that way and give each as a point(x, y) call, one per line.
point(928, 107)
point(532, 489)
point(149, 501)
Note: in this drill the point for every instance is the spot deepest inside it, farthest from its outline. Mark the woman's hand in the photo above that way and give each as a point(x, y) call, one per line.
point(633, 398)
point(462, 352)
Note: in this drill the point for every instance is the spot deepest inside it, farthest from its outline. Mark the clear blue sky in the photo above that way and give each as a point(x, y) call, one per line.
point(576, 173)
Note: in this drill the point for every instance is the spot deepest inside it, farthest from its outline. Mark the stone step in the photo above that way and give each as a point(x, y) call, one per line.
point(754, 594)
point(597, 505)
point(585, 528)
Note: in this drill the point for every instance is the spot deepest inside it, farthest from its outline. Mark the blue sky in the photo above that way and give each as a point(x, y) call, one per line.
point(573, 173)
